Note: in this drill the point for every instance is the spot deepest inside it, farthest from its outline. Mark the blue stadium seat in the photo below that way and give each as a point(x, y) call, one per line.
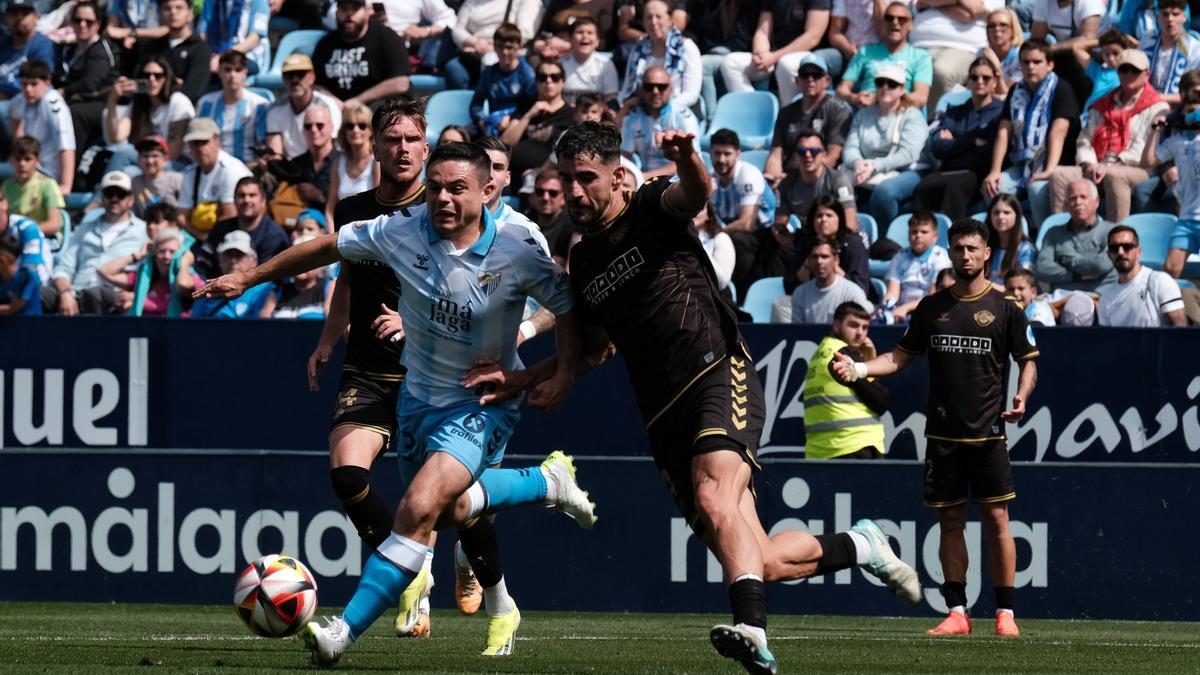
point(78, 201)
point(760, 296)
point(756, 157)
point(898, 229)
point(1154, 236)
point(267, 94)
point(879, 286)
point(866, 223)
point(303, 41)
point(445, 108)
point(951, 99)
point(1052, 220)
point(749, 113)
point(732, 291)
point(425, 85)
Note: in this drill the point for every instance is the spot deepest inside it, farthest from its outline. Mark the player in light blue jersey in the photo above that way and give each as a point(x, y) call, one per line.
point(463, 289)
point(35, 250)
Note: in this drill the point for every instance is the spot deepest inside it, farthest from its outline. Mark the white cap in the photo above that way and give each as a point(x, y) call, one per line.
point(237, 240)
point(893, 72)
point(117, 179)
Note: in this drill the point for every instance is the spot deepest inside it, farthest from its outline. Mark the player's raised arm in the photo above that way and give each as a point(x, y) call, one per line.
point(295, 260)
point(690, 194)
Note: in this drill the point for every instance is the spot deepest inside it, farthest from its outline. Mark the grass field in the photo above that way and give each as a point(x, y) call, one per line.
point(141, 638)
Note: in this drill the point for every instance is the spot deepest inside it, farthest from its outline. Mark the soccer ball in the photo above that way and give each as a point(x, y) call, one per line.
point(275, 595)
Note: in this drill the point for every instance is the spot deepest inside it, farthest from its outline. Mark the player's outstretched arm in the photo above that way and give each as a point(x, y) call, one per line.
point(296, 260)
point(848, 370)
point(1026, 381)
point(690, 194)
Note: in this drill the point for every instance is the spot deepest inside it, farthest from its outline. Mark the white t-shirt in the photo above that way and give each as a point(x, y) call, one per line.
point(745, 189)
point(215, 186)
point(1141, 302)
point(812, 304)
point(860, 25)
point(179, 108)
point(1184, 148)
point(597, 76)
point(49, 121)
point(282, 120)
point(1064, 22)
point(915, 275)
point(404, 13)
point(933, 28)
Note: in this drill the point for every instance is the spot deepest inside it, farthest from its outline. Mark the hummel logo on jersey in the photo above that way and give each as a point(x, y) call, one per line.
point(422, 262)
point(538, 247)
point(961, 344)
point(620, 270)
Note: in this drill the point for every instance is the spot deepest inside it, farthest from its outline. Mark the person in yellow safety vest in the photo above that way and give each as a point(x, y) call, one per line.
point(843, 421)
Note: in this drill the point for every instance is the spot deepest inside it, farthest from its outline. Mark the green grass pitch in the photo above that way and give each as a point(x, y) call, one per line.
point(76, 638)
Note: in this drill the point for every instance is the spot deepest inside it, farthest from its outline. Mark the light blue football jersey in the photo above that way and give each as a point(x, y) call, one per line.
point(457, 306)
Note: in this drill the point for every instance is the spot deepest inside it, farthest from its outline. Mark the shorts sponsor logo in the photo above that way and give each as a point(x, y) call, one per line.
point(473, 423)
point(961, 344)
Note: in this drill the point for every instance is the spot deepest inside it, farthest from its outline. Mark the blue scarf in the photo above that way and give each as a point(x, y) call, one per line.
point(222, 22)
point(1034, 108)
point(1178, 64)
point(673, 61)
point(145, 274)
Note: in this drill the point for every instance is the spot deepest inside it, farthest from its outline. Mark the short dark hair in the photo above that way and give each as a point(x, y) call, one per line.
point(250, 180)
point(11, 245)
point(1172, 4)
point(26, 146)
point(493, 143)
point(234, 58)
point(576, 21)
point(942, 274)
point(396, 108)
point(850, 308)
point(553, 63)
point(1020, 272)
point(590, 139)
point(159, 211)
point(922, 217)
point(965, 227)
point(1124, 228)
point(809, 132)
point(507, 32)
point(819, 240)
point(34, 69)
point(726, 137)
point(1113, 36)
point(1034, 45)
point(462, 152)
point(587, 101)
point(101, 16)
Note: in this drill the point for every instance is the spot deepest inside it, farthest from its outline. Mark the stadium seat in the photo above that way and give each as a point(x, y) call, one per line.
point(1052, 220)
point(760, 296)
point(77, 201)
point(732, 292)
point(1185, 283)
point(1191, 268)
point(951, 99)
point(426, 85)
point(749, 113)
point(879, 286)
point(1154, 236)
point(264, 92)
point(452, 106)
point(982, 217)
point(756, 157)
point(303, 41)
point(866, 223)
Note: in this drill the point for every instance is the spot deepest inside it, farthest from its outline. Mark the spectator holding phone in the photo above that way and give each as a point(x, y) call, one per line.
point(147, 106)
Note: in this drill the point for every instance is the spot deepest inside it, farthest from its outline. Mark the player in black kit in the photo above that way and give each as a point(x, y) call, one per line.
point(643, 280)
point(969, 331)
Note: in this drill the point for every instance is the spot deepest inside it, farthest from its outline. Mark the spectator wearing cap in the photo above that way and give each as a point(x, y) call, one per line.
point(236, 254)
point(266, 236)
point(1173, 50)
point(828, 115)
point(23, 43)
point(363, 60)
point(1038, 127)
point(655, 113)
point(1141, 297)
point(32, 193)
point(150, 275)
point(240, 25)
point(311, 172)
point(858, 81)
point(41, 112)
point(117, 233)
point(1109, 149)
point(1074, 256)
point(207, 193)
point(86, 70)
point(787, 32)
point(311, 223)
point(157, 183)
point(147, 105)
point(285, 119)
point(885, 140)
point(240, 114)
point(186, 51)
point(952, 33)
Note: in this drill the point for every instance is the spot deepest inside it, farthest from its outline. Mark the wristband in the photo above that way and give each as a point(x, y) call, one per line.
point(528, 330)
point(860, 371)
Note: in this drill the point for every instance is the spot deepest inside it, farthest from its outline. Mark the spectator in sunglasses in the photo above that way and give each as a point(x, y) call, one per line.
point(532, 135)
point(654, 114)
point(858, 82)
point(285, 119)
point(355, 168)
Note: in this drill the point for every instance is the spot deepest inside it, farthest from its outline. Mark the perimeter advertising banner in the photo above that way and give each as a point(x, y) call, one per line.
point(1093, 541)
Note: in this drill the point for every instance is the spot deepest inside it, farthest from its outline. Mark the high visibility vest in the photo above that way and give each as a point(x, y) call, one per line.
point(836, 422)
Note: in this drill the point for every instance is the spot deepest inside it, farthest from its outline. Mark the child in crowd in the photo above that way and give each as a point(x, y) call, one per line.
point(20, 289)
point(310, 223)
point(507, 87)
point(33, 194)
point(913, 272)
point(1021, 284)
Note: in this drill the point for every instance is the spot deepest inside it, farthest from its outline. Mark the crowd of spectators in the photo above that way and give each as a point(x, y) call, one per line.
point(141, 158)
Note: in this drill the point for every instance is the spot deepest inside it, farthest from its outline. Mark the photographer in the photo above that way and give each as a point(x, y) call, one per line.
point(1182, 146)
point(147, 106)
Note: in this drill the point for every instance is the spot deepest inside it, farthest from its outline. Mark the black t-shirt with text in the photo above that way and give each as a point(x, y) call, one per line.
point(648, 282)
point(348, 68)
point(371, 283)
point(969, 341)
